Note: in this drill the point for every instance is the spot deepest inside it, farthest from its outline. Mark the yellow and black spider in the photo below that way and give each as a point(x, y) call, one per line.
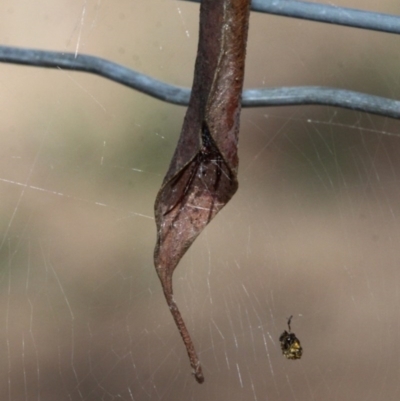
point(290, 344)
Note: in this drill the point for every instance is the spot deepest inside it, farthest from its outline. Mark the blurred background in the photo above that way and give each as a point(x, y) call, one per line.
point(313, 231)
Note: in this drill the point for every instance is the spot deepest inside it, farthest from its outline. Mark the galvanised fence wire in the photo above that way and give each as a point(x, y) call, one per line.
point(258, 97)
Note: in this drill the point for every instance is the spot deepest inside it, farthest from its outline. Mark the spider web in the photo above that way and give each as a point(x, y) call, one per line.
point(313, 231)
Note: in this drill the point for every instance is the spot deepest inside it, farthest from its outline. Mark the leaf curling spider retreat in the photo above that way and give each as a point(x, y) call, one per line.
point(290, 344)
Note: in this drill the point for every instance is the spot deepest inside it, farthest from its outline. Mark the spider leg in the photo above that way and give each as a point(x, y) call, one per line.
point(195, 164)
point(289, 320)
point(218, 172)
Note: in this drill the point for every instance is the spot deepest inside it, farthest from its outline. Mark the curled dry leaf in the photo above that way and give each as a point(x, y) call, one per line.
point(202, 176)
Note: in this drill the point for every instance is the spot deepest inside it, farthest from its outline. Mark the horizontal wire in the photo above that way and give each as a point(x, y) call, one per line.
point(328, 14)
point(318, 95)
point(284, 96)
point(99, 66)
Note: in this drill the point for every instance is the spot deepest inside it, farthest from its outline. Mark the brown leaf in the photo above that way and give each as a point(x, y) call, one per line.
point(202, 176)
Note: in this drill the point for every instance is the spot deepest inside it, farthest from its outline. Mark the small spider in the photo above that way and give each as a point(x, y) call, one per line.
point(207, 170)
point(290, 344)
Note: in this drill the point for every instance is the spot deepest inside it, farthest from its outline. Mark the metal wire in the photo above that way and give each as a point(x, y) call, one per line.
point(302, 95)
point(180, 96)
point(327, 13)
